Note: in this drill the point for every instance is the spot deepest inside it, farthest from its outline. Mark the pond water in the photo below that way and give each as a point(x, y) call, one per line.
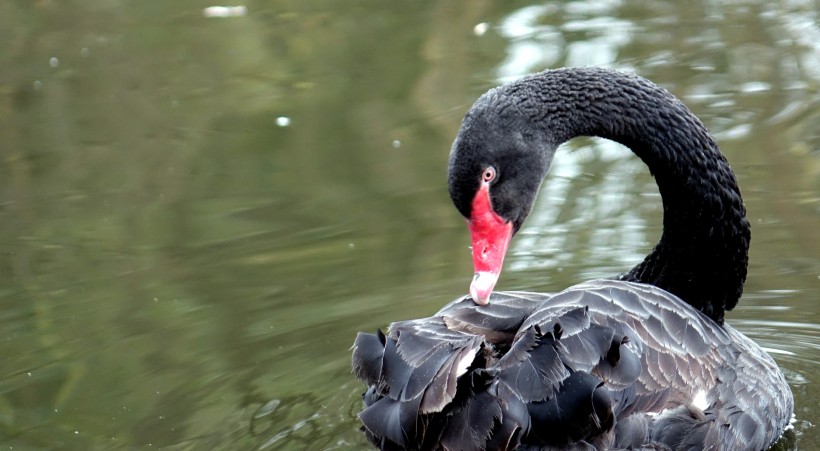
point(199, 213)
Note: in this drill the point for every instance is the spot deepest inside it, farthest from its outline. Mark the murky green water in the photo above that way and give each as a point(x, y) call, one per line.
point(199, 214)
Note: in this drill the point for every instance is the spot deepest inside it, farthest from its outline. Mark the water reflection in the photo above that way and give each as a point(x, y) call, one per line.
point(183, 267)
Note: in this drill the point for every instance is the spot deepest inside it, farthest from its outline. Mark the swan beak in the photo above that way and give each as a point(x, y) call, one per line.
point(490, 235)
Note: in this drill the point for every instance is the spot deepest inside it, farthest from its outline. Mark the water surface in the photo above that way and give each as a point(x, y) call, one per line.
point(198, 214)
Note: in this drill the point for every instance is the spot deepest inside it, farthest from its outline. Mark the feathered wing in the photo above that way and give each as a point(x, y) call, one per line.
point(605, 364)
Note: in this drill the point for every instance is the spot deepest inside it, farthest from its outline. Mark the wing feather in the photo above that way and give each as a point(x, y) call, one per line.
point(557, 370)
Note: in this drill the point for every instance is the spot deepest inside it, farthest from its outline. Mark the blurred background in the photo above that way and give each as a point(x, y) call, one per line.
point(199, 208)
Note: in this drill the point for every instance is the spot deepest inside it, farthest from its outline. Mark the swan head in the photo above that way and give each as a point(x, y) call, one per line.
point(497, 163)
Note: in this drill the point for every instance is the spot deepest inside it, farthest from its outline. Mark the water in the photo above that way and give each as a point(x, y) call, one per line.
point(200, 213)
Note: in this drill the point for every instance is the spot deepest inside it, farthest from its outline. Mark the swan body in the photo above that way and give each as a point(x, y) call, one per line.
point(640, 362)
point(602, 365)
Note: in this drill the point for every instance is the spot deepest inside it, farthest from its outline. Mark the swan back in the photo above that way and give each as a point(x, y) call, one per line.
point(602, 364)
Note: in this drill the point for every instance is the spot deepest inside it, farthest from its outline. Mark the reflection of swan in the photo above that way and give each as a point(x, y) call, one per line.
point(644, 361)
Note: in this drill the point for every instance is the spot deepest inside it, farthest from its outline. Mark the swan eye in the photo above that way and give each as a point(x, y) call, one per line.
point(489, 174)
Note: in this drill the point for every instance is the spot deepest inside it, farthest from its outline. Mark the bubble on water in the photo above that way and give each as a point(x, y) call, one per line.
point(283, 121)
point(481, 28)
point(396, 143)
point(85, 52)
point(38, 84)
point(53, 62)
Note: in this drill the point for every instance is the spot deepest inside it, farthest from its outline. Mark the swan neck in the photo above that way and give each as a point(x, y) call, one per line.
point(702, 255)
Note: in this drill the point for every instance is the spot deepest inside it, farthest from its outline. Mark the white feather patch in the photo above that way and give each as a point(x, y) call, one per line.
point(464, 363)
point(700, 400)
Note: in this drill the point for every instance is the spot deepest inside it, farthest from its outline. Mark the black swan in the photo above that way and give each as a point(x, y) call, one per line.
point(642, 361)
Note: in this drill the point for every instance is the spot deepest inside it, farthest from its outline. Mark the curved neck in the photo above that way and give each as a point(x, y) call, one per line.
point(702, 255)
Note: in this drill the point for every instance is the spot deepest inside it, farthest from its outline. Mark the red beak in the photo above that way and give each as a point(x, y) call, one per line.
point(491, 236)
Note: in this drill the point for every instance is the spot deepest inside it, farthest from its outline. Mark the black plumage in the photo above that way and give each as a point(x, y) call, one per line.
point(641, 362)
point(559, 384)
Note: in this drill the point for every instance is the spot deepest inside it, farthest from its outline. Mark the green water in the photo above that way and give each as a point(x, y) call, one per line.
point(198, 214)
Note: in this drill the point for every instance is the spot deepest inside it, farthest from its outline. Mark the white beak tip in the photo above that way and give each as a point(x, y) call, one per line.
point(482, 287)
